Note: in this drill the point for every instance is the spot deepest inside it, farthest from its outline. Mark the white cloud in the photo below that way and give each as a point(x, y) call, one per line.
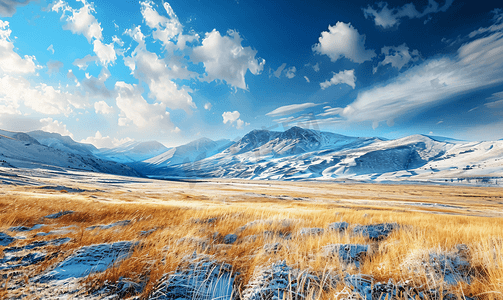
point(50, 125)
point(230, 116)
point(290, 73)
point(101, 107)
point(478, 64)
point(225, 59)
point(316, 67)
point(105, 52)
point(208, 106)
point(10, 61)
point(51, 48)
point(158, 74)
point(329, 111)
point(239, 124)
point(389, 17)
point(117, 40)
point(134, 109)
point(343, 40)
point(496, 100)
point(41, 98)
point(100, 141)
point(82, 63)
point(54, 66)
point(176, 130)
point(8, 7)
point(307, 79)
point(290, 109)
point(95, 87)
point(346, 77)
point(278, 71)
point(398, 57)
point(80, 21)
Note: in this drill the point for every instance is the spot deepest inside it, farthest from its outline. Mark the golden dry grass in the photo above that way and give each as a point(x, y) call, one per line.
point(174, 208)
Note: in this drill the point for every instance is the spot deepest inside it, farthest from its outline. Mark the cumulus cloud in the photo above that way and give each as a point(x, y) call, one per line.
point(83, 63)
point(208, 106)
point(105, 52)
point(230, 116)
point(135, 109)
point(101, 107)
point(95, 87)
point(42, 98)
point(346, 77)
point(307, 79)
point(478, 64)
point(168, 30)
point(50, 125)
point(8, 7)
point(290, 73)
point(343, 40)
point(10, 61)
point(224, 58)
point(53, 66)
point(290, 109)
point(279, 70)
point(100, 141)
point(389, 17)
point(398, 57)
point(158, 74)
point(51, 48)
point(79, 21)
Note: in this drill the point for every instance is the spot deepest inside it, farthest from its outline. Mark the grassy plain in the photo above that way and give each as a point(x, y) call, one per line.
point(432, 219)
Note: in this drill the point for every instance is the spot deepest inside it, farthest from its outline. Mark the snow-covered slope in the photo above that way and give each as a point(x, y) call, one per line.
point(22, 150)
point(132, 151)
point(308, 154)
point(191, 152)
point(64, 143)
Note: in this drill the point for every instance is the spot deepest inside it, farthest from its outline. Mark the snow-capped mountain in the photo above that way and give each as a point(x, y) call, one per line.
point(132, 151)
point(191, 152)
point(308, 154)
point(63, 143)
point(21, 150)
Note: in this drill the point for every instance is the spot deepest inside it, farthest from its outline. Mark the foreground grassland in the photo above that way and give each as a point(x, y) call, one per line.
point(170, 221)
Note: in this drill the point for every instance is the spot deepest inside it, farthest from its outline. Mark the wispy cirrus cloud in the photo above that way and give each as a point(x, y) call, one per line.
point(290, 109)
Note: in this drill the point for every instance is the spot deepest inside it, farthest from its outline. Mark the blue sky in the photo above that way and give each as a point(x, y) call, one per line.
point(107, 72)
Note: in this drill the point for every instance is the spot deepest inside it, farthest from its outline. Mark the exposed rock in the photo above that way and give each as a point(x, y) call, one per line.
point(204, 280)
point(348, 253)
point(59, 214)
point(230, 239)
point(375, 231)
point(277, 282)
point(451, 266)
point(311, 231)
point(5, 239)
point(338, 226)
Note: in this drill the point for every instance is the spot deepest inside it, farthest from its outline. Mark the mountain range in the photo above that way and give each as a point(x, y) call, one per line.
point(295, 154)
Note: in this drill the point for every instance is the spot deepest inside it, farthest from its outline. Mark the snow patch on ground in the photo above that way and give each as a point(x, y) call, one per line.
point(203, 279)
point(89, 259)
